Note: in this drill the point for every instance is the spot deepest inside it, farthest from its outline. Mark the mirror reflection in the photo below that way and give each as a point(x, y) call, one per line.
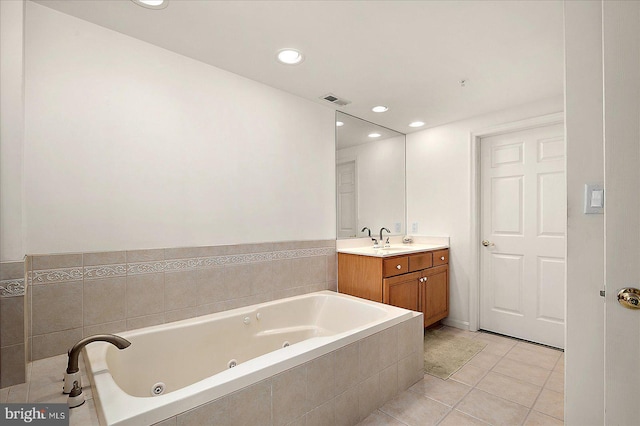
point(370, 178)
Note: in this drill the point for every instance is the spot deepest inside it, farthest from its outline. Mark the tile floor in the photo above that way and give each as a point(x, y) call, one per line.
point(508, 383)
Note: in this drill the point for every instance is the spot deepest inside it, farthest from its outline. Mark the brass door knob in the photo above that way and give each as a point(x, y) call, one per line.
point(629, 298)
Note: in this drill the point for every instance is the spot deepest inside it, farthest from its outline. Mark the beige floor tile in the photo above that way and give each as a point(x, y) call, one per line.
point(469, 375)
point(492, 409)
point(495, 348)
point(458, 418)
point(560, 364)
point(538, 358)
point(539, 348)
point(496, 339)
point(18, 393)
point(415, 410)
point(550, 403)
point(510, 389)
point(378, 418)
point(4, 394)
point(535, 375)
point(539, 419)
point(556, 382)
point(485, 360)
point(448, 392)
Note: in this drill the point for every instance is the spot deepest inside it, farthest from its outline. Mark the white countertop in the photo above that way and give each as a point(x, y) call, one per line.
point(394, 250)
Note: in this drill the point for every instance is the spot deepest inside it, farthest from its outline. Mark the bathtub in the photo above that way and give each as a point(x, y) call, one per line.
point(174, 368)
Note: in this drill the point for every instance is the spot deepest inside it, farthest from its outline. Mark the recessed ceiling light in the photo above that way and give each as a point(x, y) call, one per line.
point(379, 108)
point(374, 135)
point(290, 56)
point(152, 4)
point(417, 124)
point(339, 123)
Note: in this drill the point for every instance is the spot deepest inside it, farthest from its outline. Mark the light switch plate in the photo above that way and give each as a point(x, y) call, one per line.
point(593, 198)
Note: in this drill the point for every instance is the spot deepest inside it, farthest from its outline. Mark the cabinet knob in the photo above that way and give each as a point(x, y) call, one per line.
point(399, 267)
point(442, 258)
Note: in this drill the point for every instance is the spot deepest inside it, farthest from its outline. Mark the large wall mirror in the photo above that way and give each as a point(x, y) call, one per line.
point(370, 178)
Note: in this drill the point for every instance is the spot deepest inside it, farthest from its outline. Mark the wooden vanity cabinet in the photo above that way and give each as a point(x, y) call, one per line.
point(417, 281)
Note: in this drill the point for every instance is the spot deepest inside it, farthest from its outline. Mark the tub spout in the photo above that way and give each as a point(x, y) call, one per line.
point(72, 373)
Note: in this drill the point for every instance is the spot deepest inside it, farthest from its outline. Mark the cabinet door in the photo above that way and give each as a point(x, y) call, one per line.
point(434, 294)
point(402, 291)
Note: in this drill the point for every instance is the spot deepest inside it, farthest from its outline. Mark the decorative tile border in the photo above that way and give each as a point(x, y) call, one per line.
point(104, 271)
point(12, 288)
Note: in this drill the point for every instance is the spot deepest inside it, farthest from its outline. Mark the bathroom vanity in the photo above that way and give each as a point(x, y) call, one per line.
point(414, 277)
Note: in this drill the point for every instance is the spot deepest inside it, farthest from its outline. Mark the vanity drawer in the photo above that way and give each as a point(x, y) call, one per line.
point(395, 266)
point(420, 261)
point(441, 257)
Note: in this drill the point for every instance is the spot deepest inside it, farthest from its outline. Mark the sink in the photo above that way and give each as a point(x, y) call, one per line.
point(391, 251)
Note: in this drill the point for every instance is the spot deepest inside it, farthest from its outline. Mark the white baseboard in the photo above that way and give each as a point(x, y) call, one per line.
point(463, 325)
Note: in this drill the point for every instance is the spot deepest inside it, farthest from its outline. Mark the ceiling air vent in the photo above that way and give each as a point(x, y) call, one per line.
point(330, 97)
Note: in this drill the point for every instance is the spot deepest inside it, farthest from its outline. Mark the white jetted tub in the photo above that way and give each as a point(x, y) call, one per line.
point(192, 362)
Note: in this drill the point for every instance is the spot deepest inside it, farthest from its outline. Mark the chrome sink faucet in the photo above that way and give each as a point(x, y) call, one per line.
point(375, 241)
point(386, 244)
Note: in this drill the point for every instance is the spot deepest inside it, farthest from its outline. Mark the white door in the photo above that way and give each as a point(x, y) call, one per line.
point(347, 199)
point(621, 47)
point(523, 224)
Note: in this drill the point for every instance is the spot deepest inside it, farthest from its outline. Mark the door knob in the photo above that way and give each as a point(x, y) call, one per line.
point(487, 243)
point(629, 298)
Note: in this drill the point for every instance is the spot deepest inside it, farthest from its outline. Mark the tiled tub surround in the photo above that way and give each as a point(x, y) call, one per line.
point(76, 295)
point(12, 327)
point(339, 388)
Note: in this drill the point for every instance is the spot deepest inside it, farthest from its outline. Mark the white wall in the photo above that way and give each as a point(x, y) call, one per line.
point(11, 128)
point(584, 373)
point(381, 182)
point(438, 189)
point(128, 145)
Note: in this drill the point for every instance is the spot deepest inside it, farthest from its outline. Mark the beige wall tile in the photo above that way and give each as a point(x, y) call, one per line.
point(509, 388)
point(251, 405)
point(407, 373)
point(186, 252)
point(180, 314)
point(492, 409)
point(320, 380)
point(56, 343)
point(406, 338)
point(213, 413)
point(289, 395)
point(448, 392)
point(108, 328)
point(180, 289)
point(332, 285)
point(239, 279)
point(347, 363)
point(347, 412)
point(104, 300)
point(134, 256)
point(145, 321)
point(11, 270)
point(332, 267)
point(550, 403)
point(56, 307)
point(263, 279)
point(369, 356)
point(104, 258)
point(369, 398)
point(247, 248)
point(12, 365)
point(389, 347)
point(283, 274)
point(414, 409)
point(323, 415)
point(12, 329)
point(388, 383)
point(210, 286)
point(56, 261)
point(309, 270)
point(145, 294)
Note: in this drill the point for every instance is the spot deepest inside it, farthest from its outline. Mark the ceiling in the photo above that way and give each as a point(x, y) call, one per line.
point(407, 55)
